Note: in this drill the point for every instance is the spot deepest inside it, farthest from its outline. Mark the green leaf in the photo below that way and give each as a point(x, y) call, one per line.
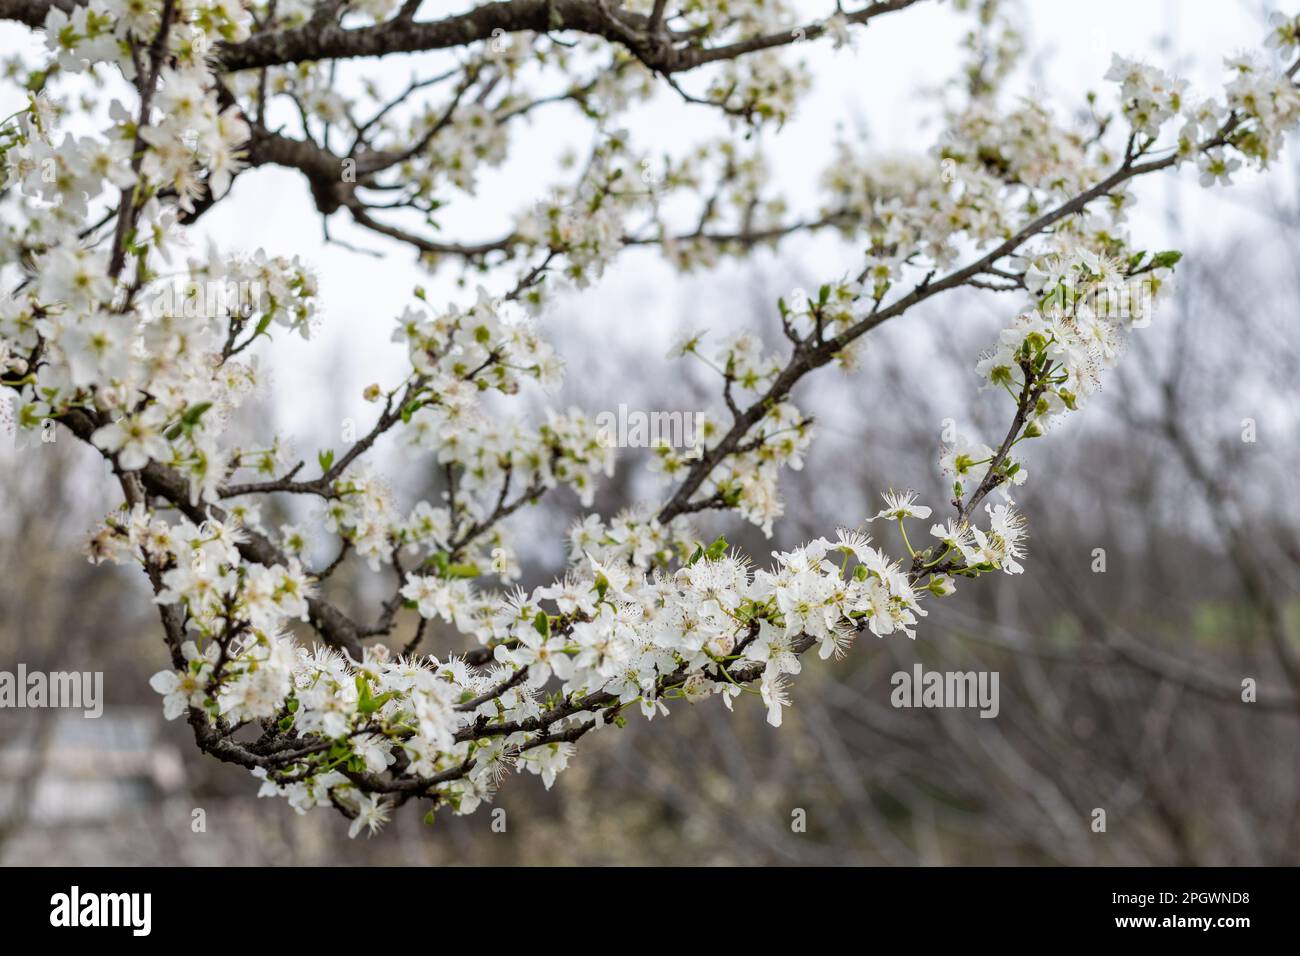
point(194, 413)
point(542, 624)
point(1166, 259)
point(367, 704)
point(325, 459)
point(188, 420)
point(374, 703)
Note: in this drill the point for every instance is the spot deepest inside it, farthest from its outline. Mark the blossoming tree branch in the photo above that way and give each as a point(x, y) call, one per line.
point(140, 114)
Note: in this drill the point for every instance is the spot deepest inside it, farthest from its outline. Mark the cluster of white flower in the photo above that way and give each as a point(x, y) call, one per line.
point(620, 629)
point(747, 479)
point(238, 665)
point(586, 224)
point(761, 88)
point(735, 176)
point(990, 169)
point(455, 357)
point(474, 138)
point(1000, 547)
point(1086, 303)
point(1262, 101)
point(461, 353)
point(152, 364)
point(1051, 358)
point(629, 624)
point(1149, 97)
point(1260, 105)
point(1089, 289)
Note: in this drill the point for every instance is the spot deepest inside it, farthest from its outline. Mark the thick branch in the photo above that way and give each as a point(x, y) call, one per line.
point(646, 40)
